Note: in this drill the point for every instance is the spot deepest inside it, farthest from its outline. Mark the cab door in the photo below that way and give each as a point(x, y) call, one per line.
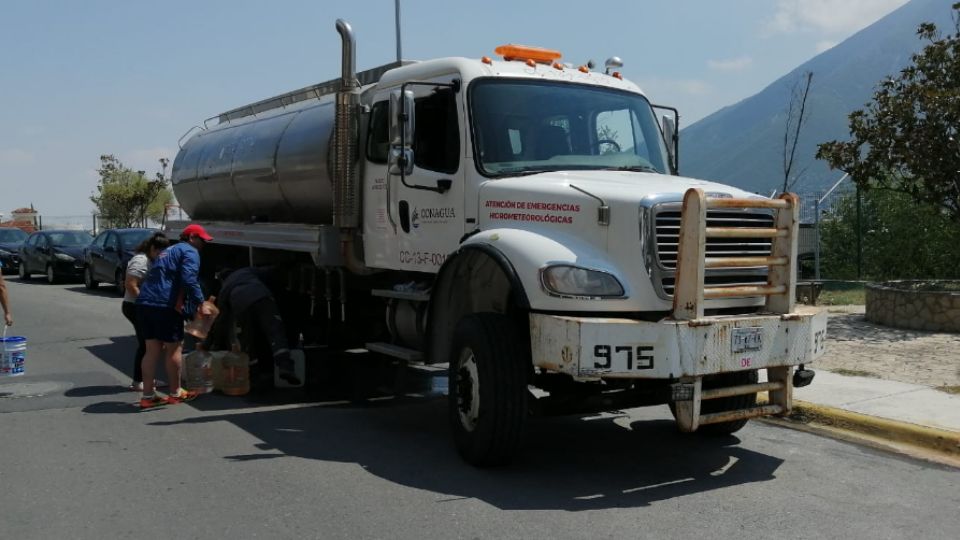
point(418, 217)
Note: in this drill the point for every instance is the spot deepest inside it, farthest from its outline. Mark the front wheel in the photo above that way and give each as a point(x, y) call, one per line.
point(23, 273)
point(88, 280)
point(488, 389)
point(51, 275)
point(731, 403)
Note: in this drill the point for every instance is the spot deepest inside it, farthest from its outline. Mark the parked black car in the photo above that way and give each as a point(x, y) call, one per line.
point(106, 258)
point(58, 254)
point(10, 242)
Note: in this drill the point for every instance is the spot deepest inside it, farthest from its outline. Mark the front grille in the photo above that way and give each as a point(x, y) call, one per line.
point(667, 224)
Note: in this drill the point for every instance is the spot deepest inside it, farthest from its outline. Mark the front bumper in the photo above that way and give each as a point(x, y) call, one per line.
point(11, 262)
point(69, 269)
point(593, 348)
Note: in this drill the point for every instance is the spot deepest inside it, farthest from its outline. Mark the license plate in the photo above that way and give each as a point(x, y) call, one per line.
point(746, 339)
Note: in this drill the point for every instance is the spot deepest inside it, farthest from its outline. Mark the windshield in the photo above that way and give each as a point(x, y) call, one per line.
point(70, 238)
point(12, 235)
point(129, 240)
point(523, 127)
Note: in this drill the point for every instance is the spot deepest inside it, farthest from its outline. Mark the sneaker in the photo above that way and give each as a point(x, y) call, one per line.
point(181, 397)
point(151, 402)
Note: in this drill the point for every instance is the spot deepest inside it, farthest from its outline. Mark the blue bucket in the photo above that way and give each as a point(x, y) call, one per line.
point(13, 354)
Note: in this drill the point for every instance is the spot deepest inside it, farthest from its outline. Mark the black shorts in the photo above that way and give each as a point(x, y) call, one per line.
point(160, 323)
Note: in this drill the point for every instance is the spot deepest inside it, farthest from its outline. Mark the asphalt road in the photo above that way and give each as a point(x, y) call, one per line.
point(79, 460)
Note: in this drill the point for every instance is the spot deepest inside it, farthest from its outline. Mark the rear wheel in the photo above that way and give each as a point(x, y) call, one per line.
point(51, 275)
point(488, 389)
point(23, 273)
point(88, 280)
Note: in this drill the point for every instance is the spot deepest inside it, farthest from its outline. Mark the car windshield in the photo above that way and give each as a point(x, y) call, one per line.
point(525, 127)
point(70, 238)
point(12, 235)
point(129, 240)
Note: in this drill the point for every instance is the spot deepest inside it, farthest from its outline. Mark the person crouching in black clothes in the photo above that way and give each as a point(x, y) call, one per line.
point(246, 299)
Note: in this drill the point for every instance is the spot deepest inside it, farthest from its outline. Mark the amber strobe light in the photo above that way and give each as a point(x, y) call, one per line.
point(523, 52)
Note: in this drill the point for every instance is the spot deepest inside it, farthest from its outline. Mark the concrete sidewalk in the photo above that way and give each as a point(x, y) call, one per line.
point(913, 419)
point(890, 400)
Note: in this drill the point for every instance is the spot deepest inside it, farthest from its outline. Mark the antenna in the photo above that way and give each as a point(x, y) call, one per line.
point(396, 4)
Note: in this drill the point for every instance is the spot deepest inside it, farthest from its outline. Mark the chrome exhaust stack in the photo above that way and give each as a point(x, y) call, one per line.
point(346, 178)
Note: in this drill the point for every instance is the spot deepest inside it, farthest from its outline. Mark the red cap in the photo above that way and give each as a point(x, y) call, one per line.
point(198, 230)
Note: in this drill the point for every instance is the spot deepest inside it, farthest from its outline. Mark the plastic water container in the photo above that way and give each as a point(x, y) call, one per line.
point(13, 354)
point(200, 326)
point(231, 372)
point(198, 372)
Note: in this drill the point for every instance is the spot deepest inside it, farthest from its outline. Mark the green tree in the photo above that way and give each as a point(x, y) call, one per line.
point(901, 239)
point(906, 139)
point(126, 197)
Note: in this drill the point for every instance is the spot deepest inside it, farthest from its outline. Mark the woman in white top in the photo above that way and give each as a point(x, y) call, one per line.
point(146, 253)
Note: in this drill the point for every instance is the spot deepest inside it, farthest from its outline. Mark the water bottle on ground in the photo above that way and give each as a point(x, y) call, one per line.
point(198, 371)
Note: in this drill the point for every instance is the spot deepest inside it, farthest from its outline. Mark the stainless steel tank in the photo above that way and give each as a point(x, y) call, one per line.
point(270, 167)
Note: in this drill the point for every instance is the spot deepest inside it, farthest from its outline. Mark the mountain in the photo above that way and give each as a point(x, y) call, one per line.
point(742, 144)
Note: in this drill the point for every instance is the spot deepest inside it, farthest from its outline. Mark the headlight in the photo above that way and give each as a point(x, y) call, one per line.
point(566, 280)
point(5, 253)
point(63, 257)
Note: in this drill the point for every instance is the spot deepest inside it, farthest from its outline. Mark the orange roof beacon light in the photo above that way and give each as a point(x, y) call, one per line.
point(523, 52)
point(486, 60)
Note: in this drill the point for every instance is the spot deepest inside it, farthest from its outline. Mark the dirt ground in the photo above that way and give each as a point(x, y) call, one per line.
point(858, 347)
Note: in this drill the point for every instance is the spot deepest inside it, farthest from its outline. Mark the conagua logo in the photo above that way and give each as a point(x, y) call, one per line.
point(431, 215)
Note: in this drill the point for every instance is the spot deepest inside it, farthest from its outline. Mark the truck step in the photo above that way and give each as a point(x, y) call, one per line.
point(395, 351)
point(730, 416)
point(412, 296)
point(716, 393)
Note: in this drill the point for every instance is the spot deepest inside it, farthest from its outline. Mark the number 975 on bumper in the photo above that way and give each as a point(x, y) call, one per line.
point(591, 348)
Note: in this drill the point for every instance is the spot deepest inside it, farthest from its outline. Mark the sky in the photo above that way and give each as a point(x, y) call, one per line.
point(130, 77)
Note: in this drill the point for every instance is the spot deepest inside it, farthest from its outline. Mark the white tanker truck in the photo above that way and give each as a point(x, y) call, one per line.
point(520, 219)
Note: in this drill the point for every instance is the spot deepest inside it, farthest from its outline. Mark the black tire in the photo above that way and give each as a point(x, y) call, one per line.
point(23, 273)
point(88, 280)
point(488, 389)
point(728, 403)
point(51, 275)
point(119, 284)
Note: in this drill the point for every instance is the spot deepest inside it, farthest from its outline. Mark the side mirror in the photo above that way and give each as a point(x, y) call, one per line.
point(110, 249)
point(673, 141)
point(402, 124)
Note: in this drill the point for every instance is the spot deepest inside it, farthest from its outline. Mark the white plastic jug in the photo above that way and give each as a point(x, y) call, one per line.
point(13, 354)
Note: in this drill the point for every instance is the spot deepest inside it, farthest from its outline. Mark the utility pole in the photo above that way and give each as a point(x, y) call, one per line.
point(859, 239)
point(816, 238)
point(396, 4)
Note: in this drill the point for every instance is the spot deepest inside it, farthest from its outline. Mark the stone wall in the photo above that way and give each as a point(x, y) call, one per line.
point(915, 305)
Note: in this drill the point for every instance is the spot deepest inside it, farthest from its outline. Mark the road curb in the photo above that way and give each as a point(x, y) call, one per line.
point(938, 440)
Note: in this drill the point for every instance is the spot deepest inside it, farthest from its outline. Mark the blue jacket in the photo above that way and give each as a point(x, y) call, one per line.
point(173, 277)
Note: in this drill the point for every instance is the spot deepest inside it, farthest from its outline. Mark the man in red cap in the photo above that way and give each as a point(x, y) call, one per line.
point(170, 293)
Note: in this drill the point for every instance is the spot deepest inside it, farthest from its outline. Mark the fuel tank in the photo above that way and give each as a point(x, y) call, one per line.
point(269, 167)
